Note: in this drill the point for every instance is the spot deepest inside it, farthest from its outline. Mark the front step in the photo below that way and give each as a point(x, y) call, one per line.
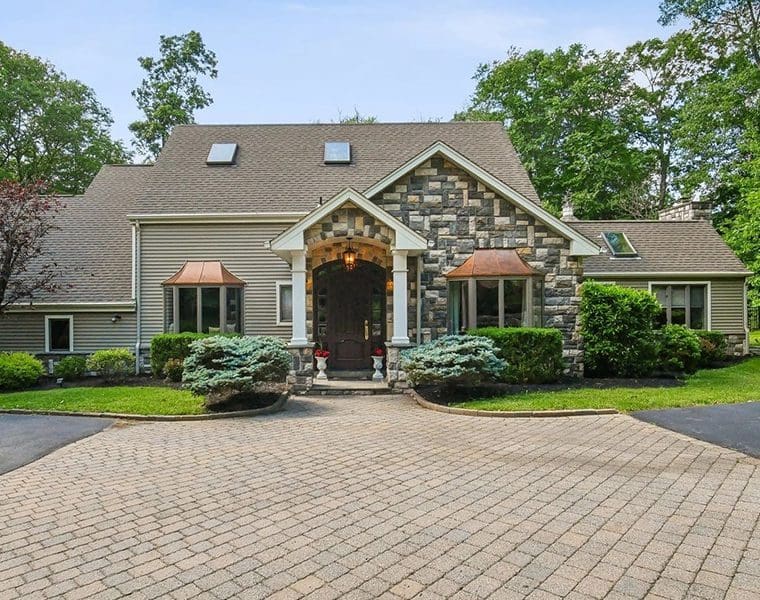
point(347, 387)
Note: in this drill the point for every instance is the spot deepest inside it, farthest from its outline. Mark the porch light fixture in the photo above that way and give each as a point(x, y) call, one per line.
point(349, 257)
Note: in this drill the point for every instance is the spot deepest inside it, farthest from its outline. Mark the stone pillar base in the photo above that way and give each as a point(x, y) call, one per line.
point(301, 375)
point(395, 377)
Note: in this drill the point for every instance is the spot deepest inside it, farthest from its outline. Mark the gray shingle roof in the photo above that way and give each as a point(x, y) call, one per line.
point(280, 168)
point(663, 247)
point(94, 240)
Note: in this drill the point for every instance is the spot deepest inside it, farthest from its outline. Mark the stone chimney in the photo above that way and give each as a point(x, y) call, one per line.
point(687, 210)
point(567, 210)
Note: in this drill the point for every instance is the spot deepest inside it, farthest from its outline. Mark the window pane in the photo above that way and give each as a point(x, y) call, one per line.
point(538, 302)
point(455, 307)
point(678, 316)
point(514, 293)
point(661, 292)
point(697, 295)
point(487, 303)
point(678, 296)
point(188, 309)
point(210, 310)
point(234, 311)
point(59, 334)
point(286, 303)
point(169, 308)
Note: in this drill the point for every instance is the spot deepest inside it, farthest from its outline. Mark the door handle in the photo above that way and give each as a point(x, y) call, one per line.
point(366, 330)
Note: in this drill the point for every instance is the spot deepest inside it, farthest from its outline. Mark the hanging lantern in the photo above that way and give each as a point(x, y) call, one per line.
point(349, 257)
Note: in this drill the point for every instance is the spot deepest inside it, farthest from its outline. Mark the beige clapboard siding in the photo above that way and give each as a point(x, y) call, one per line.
point(164, 248)
point(25, 332)
point(726, 299)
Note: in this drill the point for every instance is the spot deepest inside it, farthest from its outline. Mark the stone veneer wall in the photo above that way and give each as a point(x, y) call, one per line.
point(690, 210)
point(458, 214)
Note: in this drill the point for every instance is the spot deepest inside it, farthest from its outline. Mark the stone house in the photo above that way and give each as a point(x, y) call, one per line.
point(352, 238)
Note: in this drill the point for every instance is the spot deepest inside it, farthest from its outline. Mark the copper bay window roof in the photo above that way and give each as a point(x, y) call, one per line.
point(493, 262)
point(204, 273)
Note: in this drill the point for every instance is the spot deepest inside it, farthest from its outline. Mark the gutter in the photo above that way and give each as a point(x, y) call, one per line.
point(658, 274)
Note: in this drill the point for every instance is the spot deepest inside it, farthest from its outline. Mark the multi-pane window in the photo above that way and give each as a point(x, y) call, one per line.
point(682, 304)
point(203, 309)
point(502, 302)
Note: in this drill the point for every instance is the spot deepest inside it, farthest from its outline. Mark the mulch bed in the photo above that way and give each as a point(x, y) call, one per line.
point(444, 395)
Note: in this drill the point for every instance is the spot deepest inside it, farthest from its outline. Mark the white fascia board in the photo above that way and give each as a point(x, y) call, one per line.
point(291, 240)
point(189, 218)
point(656, 274)
point(73, 307)
point(579, 244)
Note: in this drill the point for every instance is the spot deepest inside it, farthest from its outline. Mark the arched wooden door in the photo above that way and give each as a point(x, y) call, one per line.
point(349, 313)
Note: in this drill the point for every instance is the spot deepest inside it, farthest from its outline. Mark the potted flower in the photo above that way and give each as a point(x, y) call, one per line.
point(321, 356)
point(377, 364)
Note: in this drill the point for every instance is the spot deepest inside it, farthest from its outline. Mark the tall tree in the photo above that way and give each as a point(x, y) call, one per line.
point(565, 113)
point(170, 93)
point(51, 127)
point(26, 217)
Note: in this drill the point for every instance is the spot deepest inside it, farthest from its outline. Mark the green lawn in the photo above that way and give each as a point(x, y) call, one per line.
point(148, 400)
point(754, 338)
point(738, 383)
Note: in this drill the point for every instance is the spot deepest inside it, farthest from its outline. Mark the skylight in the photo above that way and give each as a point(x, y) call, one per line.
point(619, 244)
point(337, 152)
point(222, 154)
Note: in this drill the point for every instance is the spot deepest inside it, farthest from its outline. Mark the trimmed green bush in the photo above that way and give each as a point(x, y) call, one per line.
point(617, 325)
point(678, 348)
point(70, 368)
point(533, 354)
point(173, 369)
point(712, 345)
point(453, 360)
point(166, 346)
point(113, 365)
point(220, 367)
point(19, 370)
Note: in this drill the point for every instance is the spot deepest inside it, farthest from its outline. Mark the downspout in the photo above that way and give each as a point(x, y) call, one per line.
point(419, 299)
point(138, 308)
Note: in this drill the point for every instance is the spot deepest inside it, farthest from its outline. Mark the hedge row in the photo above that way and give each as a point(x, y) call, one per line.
point(533, 354)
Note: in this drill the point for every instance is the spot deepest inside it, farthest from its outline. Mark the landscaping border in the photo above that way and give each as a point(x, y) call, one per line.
point(577, 412)
point(278, 406)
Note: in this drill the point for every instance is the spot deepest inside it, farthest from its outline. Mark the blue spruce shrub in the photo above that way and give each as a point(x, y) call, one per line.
point(453, 360)
point(221, 367)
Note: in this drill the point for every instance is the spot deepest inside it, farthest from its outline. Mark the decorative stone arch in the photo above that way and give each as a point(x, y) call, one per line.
point(379, 228)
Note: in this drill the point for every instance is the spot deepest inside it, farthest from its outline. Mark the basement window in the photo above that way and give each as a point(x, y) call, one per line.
point(337, 153)
point(222, 154)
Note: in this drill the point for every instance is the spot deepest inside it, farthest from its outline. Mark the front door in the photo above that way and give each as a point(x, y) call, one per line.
point(349, 311)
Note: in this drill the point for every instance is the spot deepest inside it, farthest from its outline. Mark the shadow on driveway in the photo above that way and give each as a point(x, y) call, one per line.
point(735, 426)
point(25, 438)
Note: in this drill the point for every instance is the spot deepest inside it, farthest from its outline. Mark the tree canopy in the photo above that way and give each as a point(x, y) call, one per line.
point(52, 128)
point(170, 93)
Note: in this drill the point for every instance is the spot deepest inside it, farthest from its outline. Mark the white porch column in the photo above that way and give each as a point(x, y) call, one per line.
point(400, 293)
point(298, 275)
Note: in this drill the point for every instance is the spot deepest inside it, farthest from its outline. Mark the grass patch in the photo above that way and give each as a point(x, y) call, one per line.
point(737, 383)
point(754, 338)
point(135, 400)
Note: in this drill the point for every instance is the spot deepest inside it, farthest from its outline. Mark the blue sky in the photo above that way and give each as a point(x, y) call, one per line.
point(300, 61)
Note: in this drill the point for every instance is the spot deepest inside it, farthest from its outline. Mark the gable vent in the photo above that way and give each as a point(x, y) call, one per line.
point(337, 153)
point(222, 154)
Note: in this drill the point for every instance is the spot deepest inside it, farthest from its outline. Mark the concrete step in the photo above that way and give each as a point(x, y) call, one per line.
point(346, 387)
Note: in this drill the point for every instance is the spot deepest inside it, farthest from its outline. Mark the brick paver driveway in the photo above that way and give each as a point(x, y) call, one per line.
point(369, 497)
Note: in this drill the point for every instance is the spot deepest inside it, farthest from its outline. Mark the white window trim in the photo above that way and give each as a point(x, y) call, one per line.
point(199, 307)
point(708, 299)
point(528, 300)
point(47, 333)
point(279, 284)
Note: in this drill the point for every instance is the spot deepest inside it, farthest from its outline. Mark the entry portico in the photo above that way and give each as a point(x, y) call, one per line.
point(314, 246)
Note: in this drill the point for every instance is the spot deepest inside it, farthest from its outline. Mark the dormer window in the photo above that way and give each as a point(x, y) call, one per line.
point(222, 154)
point(337, 153)
point(619, 244)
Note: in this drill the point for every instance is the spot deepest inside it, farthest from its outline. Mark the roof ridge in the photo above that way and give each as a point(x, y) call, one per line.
point(423, 123)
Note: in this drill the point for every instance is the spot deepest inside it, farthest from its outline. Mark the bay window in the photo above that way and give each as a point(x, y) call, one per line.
point(495, 302)
point(203, 309)
point(682, 304)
